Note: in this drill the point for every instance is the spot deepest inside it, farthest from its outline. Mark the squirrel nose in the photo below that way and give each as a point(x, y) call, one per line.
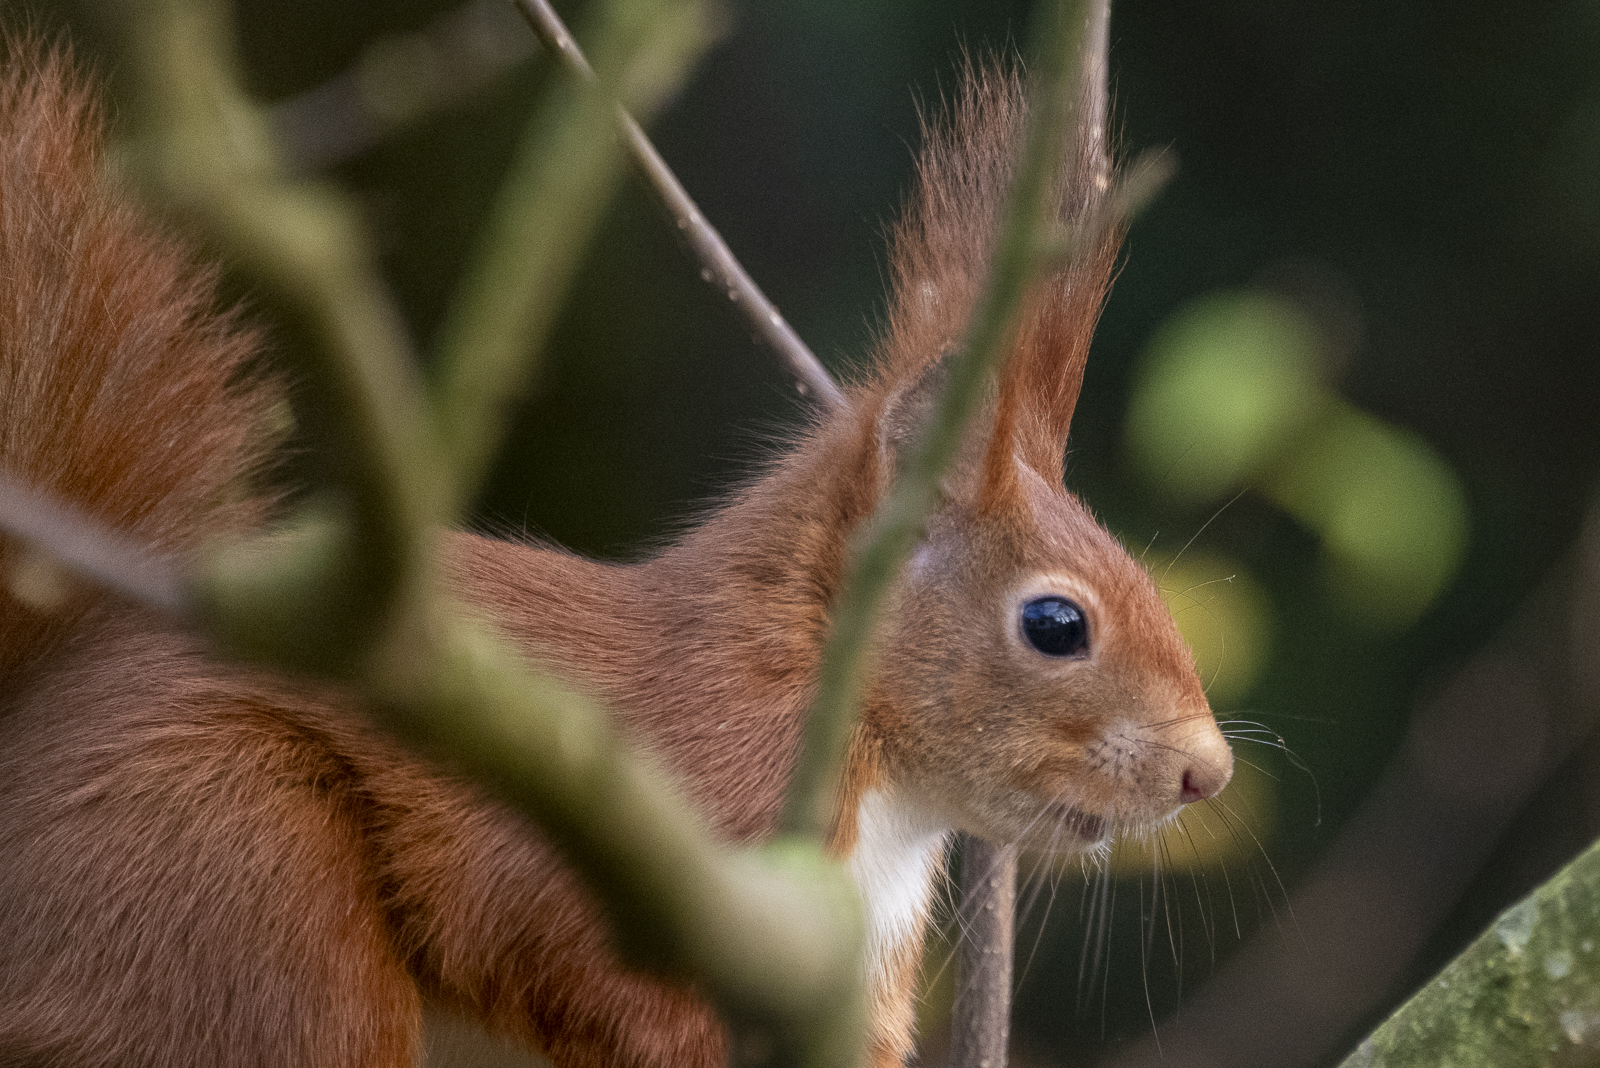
point(1209, 769)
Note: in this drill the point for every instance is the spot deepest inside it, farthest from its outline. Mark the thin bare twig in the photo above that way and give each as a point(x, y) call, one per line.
point(551, 199)
point(721, 268)
point(87, 548)
point(980, 1026)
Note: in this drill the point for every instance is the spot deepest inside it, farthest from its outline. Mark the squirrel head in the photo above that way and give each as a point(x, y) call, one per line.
point(1031, 683)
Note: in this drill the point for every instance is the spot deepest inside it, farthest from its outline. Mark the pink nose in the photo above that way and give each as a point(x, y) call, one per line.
point(1202, 780)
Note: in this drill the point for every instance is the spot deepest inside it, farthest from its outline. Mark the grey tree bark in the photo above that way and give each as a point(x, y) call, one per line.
point(982, 1014)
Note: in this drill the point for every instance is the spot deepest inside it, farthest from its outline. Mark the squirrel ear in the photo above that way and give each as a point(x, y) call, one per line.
point(1041, 381)
point(908, 410)
point(940, 258)
point(907, 413)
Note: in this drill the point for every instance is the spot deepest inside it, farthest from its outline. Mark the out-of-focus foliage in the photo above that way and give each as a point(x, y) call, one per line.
point(1230, 397)
point(1390, 512)
point(1227, 385)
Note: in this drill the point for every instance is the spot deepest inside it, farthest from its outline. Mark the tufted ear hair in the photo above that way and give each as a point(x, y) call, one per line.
point(1043, 374)
point(939, 261)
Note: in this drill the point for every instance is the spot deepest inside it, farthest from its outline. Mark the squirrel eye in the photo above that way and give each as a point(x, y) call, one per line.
point(1055, 626)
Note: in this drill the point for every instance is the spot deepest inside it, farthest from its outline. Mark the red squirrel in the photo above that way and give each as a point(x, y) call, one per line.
point(205, 864)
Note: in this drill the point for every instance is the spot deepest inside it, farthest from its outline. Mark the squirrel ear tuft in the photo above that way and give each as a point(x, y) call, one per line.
point(1041, 381)
point(940, 258)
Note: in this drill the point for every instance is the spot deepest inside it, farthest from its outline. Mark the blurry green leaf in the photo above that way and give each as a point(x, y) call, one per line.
point(1226, 383)
point(1230, 397)
point(1391, 513)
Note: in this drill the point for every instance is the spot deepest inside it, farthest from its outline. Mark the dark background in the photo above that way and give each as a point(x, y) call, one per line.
point(1425, 176)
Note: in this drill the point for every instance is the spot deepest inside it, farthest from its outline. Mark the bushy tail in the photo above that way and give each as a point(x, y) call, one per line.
point(123, 392)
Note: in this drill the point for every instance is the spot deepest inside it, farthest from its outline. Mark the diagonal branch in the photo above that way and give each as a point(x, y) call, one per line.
point(1525, 991)
point(723, 270)
point(87, 549)
point(527, 254)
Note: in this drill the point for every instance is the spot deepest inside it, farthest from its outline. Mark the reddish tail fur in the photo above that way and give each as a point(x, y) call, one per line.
point(207, 866)
point(108, 334)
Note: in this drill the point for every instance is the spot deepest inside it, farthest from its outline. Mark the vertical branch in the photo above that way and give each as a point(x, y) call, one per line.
point(981, 1016)
point(982, 1012)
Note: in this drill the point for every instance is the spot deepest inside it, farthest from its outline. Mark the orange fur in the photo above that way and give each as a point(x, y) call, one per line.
point(207, 865)
point(106, 329)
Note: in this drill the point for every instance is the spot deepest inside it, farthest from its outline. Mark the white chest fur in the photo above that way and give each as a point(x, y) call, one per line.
point(897, 855)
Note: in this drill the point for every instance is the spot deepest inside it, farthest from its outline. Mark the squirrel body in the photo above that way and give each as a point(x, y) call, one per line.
point(207, 864)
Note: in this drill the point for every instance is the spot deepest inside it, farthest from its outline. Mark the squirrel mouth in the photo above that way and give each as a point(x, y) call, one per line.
point(1084, 825)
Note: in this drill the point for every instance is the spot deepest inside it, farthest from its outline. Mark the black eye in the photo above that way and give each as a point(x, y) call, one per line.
point(1055, 626)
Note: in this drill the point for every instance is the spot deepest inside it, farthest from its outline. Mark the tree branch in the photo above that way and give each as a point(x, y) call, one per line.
point(985, 924)
point(1525, 994)
point(550, 202)
point(717, 260)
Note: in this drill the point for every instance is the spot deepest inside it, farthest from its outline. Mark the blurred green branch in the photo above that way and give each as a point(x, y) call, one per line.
point(320, 599)
point(771, 934)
